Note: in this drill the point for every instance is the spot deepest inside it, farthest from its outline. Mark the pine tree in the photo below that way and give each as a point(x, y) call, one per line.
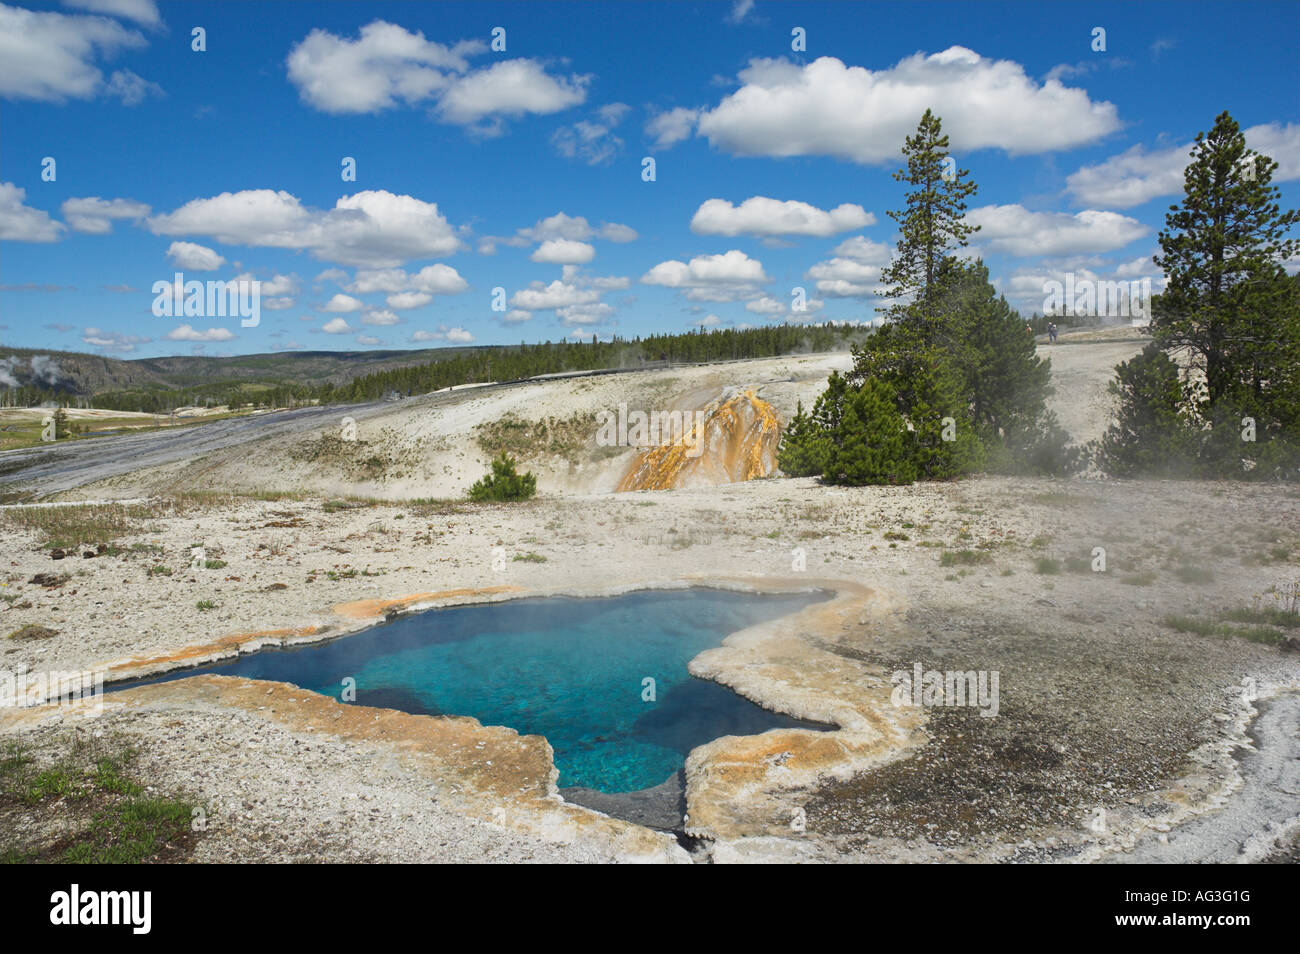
point(61, 428)
point(1222, 250)
point(829, 406)
point(932, 225)
point(1005, 381)
point(504, 483)
point(804, 447)
point(928, 394)
point(870, 445)
point(1151, 433)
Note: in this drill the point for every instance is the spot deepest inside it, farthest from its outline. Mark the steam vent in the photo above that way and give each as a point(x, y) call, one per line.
point(740, 436)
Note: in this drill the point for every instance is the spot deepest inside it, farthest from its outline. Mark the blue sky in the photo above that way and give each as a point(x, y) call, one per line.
point(521, 169)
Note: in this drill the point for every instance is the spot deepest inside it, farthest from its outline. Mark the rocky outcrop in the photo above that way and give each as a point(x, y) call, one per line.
point(733, 438)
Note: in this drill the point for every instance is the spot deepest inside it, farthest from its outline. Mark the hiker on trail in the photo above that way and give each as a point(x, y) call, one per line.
point(1051, 332)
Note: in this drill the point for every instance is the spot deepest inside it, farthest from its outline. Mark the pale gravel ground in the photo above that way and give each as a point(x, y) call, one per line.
point(1101, 704)
point(1085, 662)
point(271, 795)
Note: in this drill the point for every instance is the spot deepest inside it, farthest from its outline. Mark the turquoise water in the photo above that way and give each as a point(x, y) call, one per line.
point(572, 670)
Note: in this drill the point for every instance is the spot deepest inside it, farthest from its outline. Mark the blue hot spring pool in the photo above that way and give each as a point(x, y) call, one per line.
point(570, 669)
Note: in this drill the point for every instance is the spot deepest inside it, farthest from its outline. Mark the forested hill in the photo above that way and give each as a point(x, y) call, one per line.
point(525, 361)
point(282, 379)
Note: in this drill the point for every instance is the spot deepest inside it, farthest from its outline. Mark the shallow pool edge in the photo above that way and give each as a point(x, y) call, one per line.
point(738, 787)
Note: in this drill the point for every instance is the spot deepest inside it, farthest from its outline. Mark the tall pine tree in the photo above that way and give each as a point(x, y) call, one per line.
point(1222, 251)
point(931, 227)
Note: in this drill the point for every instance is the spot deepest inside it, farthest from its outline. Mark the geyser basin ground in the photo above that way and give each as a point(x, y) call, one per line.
point(572, 670)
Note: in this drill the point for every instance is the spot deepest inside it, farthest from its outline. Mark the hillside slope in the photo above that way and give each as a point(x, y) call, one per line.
point(437, 445)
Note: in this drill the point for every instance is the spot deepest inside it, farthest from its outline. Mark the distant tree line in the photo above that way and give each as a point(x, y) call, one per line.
point(466, 366)
point(525, 361)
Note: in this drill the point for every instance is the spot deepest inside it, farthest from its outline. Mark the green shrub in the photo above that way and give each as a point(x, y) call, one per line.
point(870, 445)
point(1151, 434)
point(804, 447)
point(504, 483)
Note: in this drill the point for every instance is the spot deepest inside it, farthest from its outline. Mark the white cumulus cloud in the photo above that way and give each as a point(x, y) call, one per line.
point(141, 11)
point(19, 222)
point(343, 304)
point(1015, 230)
point(564, 252)
point(828, 108)
point(668, 128)
point(761, 216)
point(846, 278)
point(730, 268)
point(374, 229)
point(509, 88)
point(51, 57)
point(431, 280)
point(95, 216)
point(112, 342)
point(540, 297)
point(1137, 175)
point(187, 333)
point(189, 256)
point(592, 140)
point(575, 228)
point(404, 301)
point(386, 65)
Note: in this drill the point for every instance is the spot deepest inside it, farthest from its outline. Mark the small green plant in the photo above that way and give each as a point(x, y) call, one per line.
point(57, 781)
point(1048, 566)
point(205, 605)
point(964, 558)
point(132, 831)
point(1145, 578)
point(1193, 574)
point(504, 483)
point(529, 558)
point(160, 570)
point(100, 813)
point(1203, 627)
point(214, 564)
point(1268, 615)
